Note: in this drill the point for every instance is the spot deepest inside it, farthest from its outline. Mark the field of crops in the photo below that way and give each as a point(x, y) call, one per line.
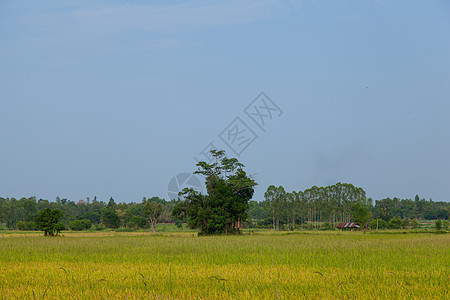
point(316, 265)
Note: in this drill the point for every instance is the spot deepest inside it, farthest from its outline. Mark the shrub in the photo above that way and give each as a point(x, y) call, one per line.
point(382, 224)
point(20, 225)
point(395, 223)
point(100, 226)
point(327, 226)
point(445, 225)
point(178, 224)
point(26, 226)
point(438, 224)
point(406, 223)
point(79, 225)
point(136, 222)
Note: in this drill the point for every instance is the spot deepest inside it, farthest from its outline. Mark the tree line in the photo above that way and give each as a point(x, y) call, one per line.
point(316, 207)
point(22, 214)
point(325, 207)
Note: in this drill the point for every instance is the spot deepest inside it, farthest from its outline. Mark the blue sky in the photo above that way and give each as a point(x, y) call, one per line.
point(115, 98)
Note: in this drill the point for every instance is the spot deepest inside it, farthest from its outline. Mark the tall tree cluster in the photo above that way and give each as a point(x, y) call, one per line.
point(341, 202)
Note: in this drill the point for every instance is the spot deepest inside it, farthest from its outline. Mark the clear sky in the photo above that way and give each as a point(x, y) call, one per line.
point(115, 98)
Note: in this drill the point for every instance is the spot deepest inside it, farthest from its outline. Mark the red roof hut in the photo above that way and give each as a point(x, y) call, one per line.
point(348, 225)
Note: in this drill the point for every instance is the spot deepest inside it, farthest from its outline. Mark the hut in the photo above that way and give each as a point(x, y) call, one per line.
point(348, 226)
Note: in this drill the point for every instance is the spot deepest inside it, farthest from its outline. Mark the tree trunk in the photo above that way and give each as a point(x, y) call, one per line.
point(287, 219)
point(273, 217)
point(154, 227)
point(293, 221)
point(278, 222)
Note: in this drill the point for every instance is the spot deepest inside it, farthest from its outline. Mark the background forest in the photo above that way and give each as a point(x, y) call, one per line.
point(313, 208)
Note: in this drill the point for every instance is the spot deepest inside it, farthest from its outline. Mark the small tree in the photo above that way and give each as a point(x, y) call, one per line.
point(21, 225)
point(153, 210)
point(414, 224)
point(48, 219)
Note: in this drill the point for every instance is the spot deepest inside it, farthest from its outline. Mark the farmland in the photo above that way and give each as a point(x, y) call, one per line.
point(264, 265)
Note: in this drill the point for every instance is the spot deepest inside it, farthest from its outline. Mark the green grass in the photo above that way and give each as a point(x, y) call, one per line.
point(265, 265)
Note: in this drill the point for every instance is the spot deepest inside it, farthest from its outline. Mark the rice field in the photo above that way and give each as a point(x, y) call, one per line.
point(266, 265)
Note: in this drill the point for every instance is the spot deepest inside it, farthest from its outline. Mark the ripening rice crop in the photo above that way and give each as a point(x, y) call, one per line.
point(262, 266)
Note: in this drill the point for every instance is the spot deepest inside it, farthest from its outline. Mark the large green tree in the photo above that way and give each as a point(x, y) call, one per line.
point(225, 206)
point(48, 221)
